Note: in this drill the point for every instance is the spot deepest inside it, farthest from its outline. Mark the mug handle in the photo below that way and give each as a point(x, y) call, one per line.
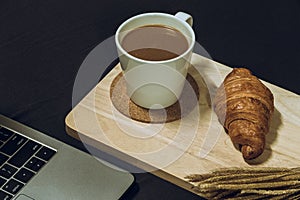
point(185, 17)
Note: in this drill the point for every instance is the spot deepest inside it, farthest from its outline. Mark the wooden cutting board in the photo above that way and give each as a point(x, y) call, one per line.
point(196, 143)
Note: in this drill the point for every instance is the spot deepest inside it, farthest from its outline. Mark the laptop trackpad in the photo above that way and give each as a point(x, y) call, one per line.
point(72, 174)
point(23, 197)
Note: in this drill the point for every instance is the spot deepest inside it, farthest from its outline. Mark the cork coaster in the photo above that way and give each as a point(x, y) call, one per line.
point(188, 100)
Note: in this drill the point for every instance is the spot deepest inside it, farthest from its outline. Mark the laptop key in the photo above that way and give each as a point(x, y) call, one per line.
point(7, 171)
point(4, 195)
point(24, 154)
point(24, 175)
point(35, 164)
point(3, 158)
point(13, 144)
point(45, 153)
point(13, 186)
point(2, 181)
point(5, 134)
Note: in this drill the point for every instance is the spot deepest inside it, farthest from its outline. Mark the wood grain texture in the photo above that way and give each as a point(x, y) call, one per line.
point(195, 144)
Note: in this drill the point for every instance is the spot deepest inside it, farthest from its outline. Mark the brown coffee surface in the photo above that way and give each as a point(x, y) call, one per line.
point(155, 42)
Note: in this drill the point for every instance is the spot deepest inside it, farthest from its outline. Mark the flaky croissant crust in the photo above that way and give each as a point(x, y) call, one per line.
point(244, 106)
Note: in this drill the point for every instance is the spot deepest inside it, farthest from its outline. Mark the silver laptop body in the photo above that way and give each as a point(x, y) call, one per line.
point(69, 174)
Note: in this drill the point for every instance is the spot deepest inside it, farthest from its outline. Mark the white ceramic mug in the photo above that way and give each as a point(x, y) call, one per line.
point(156, 84)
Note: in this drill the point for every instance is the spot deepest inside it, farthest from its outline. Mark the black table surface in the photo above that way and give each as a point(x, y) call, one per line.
point(44, 43)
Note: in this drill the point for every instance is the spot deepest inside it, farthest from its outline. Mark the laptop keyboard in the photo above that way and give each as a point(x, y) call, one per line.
point(20, 159)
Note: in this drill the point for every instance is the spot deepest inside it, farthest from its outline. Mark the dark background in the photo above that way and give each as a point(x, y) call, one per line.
point(43, 44)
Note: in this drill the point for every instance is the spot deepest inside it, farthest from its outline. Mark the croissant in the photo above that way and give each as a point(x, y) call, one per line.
point(244, 106)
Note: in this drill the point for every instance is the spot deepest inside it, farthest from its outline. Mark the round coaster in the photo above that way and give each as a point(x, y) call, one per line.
point(121, 101)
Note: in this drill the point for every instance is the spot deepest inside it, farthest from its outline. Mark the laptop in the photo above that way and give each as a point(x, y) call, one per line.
point(34, 166)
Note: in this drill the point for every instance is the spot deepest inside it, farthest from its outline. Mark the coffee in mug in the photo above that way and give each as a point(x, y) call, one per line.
point(155, 42)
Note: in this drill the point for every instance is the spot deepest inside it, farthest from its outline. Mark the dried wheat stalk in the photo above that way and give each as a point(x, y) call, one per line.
point(248, 183)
